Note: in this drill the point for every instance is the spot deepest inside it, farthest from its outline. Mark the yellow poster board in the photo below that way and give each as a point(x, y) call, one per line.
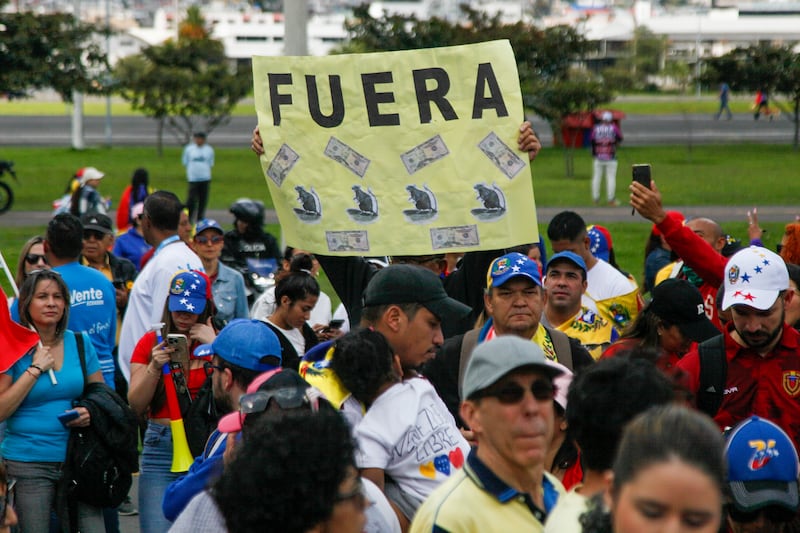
point(396, 153)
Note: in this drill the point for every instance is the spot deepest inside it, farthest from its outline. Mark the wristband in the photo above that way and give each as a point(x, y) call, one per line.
point(34, 376)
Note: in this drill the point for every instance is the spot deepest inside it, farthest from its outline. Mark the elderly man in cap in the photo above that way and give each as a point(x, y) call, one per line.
point(513, 303)
point(755, 363)
point(503, 486)
point(406, 303)
point(243, 350)
point(565, 283)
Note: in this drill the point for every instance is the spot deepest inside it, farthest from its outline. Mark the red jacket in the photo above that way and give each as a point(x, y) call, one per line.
point(767, 386)
point(697, 254)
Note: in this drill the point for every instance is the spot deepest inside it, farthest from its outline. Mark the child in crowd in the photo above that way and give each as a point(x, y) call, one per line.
point(407, 432)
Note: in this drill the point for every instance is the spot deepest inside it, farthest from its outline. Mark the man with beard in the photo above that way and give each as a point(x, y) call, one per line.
point(242, 351)
point(762, 353)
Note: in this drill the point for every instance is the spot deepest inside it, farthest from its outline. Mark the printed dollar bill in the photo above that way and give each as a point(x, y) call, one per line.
point(501, 155)
point(454, 236)
point(347, 241)
point(281, 164)
point(341, 153)
point(424, 154)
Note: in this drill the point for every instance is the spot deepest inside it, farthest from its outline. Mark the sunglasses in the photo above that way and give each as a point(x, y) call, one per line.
point(8, 500)
point(512, 392)
point(216, 239)
point(93, 234)
point(772, 513)
point(32, 259)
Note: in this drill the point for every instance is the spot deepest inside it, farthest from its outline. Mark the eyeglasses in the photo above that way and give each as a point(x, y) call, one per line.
point(772, 513)
point(216, 239)
point(90, 233)
point(8, 501)
point(209, 367)
point(32, 259)
point(511, 392)
point(356, 496)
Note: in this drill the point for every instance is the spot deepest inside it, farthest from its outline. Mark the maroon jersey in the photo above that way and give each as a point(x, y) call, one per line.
point(767, 386)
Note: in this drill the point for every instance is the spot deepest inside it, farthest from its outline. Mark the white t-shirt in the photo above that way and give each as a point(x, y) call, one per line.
point(149, 293)
point(409, 433)
point(295, 336)
point(264, 306)
point(565, 516)
point(381, 518)
point(604, 282)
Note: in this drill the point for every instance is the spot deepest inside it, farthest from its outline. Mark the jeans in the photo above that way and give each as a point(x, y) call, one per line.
point(36, 495)
point(154, 477)
point(610, 169)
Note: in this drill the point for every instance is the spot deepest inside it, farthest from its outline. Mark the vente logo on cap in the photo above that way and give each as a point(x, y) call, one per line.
point(764, 452)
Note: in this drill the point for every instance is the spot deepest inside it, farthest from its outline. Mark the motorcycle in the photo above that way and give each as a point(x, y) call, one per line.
point(6, 194)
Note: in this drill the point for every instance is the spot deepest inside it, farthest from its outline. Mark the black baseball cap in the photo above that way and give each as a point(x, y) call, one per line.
point(679, 302)
point(400, 284)
point(97, 222)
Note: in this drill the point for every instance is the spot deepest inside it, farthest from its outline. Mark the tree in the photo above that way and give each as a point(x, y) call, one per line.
point(185, 85)
point(545, 57)
point(771, 68)
point(54, 51)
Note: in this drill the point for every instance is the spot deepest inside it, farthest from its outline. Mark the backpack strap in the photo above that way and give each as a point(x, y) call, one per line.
point(561, 346)
point(713, 374)
point(468, 343)
point(81, 353)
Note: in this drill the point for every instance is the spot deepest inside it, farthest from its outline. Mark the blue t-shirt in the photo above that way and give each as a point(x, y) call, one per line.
point(93, 310)
point(33, 432)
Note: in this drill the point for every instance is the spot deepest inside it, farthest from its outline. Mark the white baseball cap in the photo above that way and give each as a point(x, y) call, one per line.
point(607, 116)
point(90, 173)
point(754, 277)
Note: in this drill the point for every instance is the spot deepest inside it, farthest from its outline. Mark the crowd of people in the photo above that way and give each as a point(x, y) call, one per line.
point(500, 390)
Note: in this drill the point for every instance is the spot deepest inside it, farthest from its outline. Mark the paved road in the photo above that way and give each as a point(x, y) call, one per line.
point(638, 130)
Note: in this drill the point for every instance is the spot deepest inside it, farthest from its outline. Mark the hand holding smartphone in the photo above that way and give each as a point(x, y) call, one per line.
point(640, 173)
point(68, 416)
point(181, 345)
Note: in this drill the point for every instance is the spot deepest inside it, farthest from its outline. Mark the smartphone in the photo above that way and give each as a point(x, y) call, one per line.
point(181, 345)
point(336, 324)
point(68, 416)
point(640, 173)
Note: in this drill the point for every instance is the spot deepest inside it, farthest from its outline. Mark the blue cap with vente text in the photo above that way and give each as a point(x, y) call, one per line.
point(762, 466)
point(247, 343)
point(510, 266)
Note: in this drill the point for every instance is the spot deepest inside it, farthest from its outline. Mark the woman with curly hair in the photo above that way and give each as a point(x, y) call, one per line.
point(293, 472)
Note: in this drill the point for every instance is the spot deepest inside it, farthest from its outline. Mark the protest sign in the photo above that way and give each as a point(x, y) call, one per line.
point(410, 153)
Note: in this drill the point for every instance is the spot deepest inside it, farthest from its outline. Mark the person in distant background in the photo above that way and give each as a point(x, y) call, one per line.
point(86, 198)
point(724, 96)
point(605, 137)
point(198, 158)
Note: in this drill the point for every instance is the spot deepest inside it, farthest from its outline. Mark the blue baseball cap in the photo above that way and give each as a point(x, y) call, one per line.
point(572, 257)
point(247, 343)
point(510, 266)
point(208, 223)
point(762, 466)
point(189, 291)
